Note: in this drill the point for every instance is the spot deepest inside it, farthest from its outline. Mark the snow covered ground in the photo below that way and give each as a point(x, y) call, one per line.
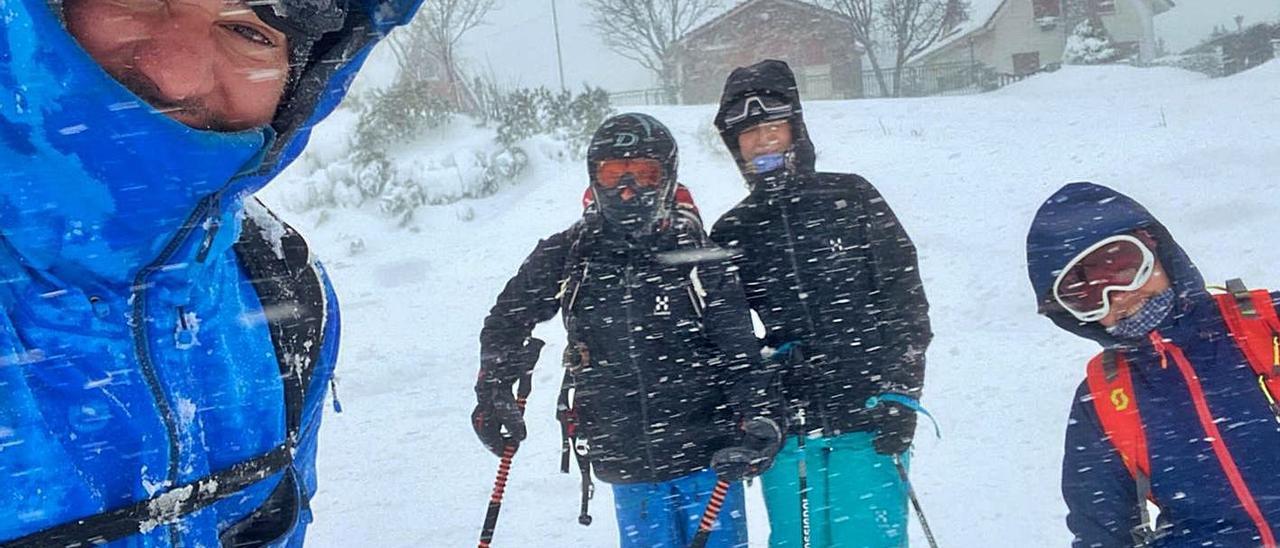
point(401, 466)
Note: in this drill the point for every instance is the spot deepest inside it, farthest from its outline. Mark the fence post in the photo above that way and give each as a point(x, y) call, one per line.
point(1275, 48)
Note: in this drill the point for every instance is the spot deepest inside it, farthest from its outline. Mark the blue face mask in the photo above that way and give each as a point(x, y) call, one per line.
point(1146, 319)
point(768, 162)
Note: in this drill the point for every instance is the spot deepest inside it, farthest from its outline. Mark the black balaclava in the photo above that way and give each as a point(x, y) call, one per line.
point(628, 136)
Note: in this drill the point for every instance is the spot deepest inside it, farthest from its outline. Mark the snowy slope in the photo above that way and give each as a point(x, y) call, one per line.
point(401, 466)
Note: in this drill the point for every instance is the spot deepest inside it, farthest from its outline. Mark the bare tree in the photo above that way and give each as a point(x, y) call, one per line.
point(863, 23)
point(916, 25)
point(646, 31)
point(428, 45)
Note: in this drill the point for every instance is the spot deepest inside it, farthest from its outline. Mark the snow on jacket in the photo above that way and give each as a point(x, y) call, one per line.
point(825, 263)
point(664, 382)
point(1197, 504)
point(135, 353)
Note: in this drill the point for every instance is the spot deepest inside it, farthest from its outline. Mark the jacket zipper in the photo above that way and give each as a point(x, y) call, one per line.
point(142, 351)
point(808, 314)
point(631, 355)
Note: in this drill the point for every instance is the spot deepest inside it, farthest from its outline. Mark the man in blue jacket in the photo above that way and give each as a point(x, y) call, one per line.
point(165, 342)
point(1203, 437)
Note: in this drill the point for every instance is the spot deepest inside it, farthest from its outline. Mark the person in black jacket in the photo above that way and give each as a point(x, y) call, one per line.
point(834, 278)
point(661, 352)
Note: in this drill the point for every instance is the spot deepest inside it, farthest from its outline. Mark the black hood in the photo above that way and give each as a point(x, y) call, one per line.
point(773, 79)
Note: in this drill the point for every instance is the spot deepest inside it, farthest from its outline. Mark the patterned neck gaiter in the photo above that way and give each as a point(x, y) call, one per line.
point(1146, 319)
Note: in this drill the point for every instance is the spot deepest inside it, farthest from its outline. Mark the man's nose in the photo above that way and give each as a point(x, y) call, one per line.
point(178, 57)
point(627, 193)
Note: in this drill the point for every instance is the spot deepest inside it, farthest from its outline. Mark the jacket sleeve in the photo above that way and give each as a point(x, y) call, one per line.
point(747, 378)
point(529, 298)
point(903, 310)
point(1100, 494)
point(728, 234)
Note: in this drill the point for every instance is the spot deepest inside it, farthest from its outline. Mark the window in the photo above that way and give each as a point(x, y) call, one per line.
point(1026, 63)
point(1046, 8)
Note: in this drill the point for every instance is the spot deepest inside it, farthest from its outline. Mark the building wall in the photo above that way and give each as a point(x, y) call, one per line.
point(1126, 26)
point(820, 49)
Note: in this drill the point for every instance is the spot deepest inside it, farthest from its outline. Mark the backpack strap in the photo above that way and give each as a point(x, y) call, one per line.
point(1252, 323)
point(1111, 387)
point(279, 265)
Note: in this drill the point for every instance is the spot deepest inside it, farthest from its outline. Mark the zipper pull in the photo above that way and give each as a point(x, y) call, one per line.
point(333, 389)
point(1158, 342)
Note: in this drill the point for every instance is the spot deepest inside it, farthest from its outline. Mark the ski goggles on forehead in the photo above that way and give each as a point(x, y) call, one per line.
point(757, 107)
point(646, 172)
point(1117, 263)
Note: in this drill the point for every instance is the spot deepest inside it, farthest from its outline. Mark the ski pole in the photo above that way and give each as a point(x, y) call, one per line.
point(915, 502)
point(504, 468)
point(711, 513)
point(802, 470)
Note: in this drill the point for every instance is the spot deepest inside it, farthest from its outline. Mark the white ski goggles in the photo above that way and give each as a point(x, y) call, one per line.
point(775, 110)
point(1115, 263)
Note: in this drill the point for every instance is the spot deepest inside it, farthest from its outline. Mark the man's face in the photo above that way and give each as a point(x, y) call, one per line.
point(765, 138)
point(209, 64)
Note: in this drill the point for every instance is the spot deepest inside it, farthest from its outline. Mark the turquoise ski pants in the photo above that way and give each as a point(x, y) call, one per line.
point(855, 496)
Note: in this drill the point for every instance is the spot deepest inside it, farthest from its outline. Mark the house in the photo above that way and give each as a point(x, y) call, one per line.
point(1241, 50)
point(816, 42)
point(1022, 36)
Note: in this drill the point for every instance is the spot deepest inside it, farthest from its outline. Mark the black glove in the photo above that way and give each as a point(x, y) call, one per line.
point(496, 410)
point(896, 426)
point(761, 438)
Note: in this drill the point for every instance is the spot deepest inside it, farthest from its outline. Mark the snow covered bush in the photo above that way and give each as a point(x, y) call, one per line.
point(398, 113)
point(1089, 44)
point(521, 113)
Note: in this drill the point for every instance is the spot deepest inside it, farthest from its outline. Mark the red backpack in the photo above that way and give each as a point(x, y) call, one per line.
point(1253, 324)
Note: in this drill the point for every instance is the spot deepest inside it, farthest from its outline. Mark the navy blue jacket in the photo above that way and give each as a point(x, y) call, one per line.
point(1198, 506)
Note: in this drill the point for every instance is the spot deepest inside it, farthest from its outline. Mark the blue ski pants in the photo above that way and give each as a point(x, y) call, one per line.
point(666, 514)
point(855, 497)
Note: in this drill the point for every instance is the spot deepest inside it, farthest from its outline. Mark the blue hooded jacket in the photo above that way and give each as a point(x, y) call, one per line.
point(1198, 506)
point(135, 354)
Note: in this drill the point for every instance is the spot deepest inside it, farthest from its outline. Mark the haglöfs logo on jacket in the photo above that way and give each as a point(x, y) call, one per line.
point(662, 305)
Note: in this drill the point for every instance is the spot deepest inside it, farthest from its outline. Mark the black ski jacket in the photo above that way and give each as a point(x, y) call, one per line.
point(662, 352)
point(825, 264)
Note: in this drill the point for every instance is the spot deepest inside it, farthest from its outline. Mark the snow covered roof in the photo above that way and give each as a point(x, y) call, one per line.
point(981, 13)
point(714, 20)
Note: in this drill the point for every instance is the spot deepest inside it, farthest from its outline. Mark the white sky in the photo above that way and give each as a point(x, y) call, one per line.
point(519, 46)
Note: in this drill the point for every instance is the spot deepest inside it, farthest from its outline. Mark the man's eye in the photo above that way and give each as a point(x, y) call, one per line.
point(251, 34)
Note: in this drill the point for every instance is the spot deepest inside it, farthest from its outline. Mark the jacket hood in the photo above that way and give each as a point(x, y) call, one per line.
point(92, 180)
point(1079, 215)
point(767, 78)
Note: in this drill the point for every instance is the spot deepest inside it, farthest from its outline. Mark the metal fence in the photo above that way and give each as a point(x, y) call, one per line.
point(642, 97)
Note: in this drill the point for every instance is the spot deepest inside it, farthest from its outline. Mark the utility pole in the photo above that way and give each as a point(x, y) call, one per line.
point(555, 22)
